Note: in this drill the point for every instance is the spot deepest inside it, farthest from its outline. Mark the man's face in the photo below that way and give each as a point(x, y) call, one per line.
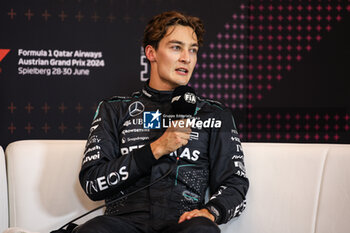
point(175, 58)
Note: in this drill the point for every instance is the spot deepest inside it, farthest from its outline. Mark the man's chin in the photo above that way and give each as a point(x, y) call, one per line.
point(183, 81)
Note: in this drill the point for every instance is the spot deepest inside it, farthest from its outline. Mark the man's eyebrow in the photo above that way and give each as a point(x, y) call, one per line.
point(182, 43)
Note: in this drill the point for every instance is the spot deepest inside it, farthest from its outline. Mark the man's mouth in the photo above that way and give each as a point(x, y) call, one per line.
point(182, 70)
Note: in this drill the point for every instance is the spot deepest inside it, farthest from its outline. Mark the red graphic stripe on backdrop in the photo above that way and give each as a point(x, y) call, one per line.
point(3, 53)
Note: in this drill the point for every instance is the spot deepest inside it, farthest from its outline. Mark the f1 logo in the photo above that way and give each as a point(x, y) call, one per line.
point(3, 53)
point(151, 120)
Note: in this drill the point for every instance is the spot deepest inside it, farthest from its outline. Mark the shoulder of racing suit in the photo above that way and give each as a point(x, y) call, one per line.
point(210, 105)
point(120, 99)
point(135, 94)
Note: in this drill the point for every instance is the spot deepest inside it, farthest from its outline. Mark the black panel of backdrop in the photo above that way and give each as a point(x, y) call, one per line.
point(282, 66)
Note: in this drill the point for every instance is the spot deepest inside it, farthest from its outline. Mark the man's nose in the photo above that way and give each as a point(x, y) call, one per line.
point(185, 57)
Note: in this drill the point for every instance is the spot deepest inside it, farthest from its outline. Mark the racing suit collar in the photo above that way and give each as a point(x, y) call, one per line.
point(153, 94)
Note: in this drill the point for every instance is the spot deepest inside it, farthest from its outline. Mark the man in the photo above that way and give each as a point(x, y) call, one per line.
point(123, 155)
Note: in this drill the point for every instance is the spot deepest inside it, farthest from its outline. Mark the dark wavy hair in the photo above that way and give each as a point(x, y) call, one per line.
point(157, 27)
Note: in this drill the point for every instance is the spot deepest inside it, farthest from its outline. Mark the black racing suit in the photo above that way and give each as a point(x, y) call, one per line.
point(118, 159)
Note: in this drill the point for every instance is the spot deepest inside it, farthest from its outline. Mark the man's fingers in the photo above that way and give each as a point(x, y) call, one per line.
point(185, 136)
point(188, 215)
point(196, 213)
point(180, 130)
point(182, 217)
point(181, 138)
point(191, 215)
point(180, 125)
point(172, 139)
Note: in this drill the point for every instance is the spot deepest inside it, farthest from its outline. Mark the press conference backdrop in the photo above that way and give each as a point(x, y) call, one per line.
point(282, 66)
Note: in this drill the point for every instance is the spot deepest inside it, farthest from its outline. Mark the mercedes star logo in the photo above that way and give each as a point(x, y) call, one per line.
point(136, 108)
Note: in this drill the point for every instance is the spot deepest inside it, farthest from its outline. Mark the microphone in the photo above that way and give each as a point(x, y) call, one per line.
point(184, 101)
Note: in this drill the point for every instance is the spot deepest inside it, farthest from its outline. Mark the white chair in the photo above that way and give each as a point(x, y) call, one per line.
point(3, 193)
point(44, 192)
point(294, 188)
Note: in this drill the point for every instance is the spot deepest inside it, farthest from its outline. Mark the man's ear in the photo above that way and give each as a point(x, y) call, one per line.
point(150, 53)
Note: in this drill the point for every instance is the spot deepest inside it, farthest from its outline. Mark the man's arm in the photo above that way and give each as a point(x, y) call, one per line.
point(105, 171)
point(228, 181)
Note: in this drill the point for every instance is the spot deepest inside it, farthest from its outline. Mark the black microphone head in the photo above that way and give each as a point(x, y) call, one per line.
point(184, 100)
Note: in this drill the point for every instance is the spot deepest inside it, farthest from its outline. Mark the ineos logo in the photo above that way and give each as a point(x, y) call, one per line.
point(136, 108)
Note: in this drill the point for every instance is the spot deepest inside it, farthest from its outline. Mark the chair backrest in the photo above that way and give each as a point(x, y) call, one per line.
point(44, 192)
point(3, 193)
point(303, 188)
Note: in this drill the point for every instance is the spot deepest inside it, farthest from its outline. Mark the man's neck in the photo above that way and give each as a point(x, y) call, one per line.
point(158, 85)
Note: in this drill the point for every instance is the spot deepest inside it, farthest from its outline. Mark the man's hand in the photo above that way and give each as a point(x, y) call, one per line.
point(172, 139)
point(196, 213)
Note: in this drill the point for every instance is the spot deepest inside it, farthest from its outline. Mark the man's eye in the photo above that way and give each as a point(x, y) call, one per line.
point(193, 50)
point(176, 47)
